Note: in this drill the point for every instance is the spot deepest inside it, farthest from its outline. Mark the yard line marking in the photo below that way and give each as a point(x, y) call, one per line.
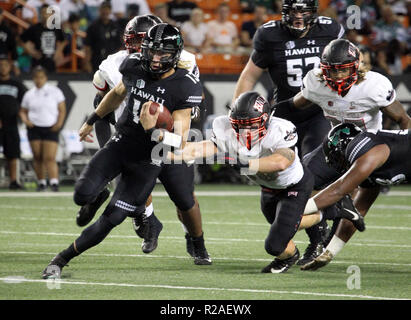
point(180, 238)
point(163, 286)
point(164, 194)
point(154, 256)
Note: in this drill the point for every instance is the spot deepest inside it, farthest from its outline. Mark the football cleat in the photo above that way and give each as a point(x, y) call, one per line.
point(312, 251)
point(189, 245)
point(349, 212)
point(281, 266)
point(200, 253)
point(319, 262)
point(53, 269)
point(88, 211)
point(153, 228)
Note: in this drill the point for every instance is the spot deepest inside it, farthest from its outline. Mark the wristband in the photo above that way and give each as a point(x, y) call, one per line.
point(93, 118)
point(172, 139)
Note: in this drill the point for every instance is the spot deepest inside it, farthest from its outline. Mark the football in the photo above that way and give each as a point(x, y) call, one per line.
point(165, 120)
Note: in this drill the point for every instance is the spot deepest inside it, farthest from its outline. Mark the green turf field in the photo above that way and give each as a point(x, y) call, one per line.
point(34, 227)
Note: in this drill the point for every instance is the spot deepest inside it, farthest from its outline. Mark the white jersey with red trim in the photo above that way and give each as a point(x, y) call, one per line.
point(108, 74)
point(281, 133)
point(361, 105)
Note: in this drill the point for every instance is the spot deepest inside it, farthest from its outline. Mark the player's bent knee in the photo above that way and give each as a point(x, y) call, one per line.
point(274, 248)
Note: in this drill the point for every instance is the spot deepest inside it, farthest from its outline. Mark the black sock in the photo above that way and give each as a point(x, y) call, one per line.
point(314, 234)
point(69, 253)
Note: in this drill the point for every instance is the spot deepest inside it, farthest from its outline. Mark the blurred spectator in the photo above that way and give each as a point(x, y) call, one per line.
point(103, 38)
point(28, 14)
point(180, 10)
point(249, 28)
point(389, 41)
point(120, 7)
point(222, 34)
point(68, 7)
point(92, 9)
point(161, 11)
point(73, 26)
point(399, 7)
point(272, 6)
point(11, 95)
point(194, 31)
point(368, 9)
point(43, 110)
point(368, 60)
point(8, 44)
point(44, 45)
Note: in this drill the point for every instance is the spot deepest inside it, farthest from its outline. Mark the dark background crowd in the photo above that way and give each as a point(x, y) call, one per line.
point(89, 30)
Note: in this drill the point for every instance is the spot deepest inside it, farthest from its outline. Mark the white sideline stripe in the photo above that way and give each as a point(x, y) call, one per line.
point(208, 239)
point(163, 286)
point(153, 256)
point(163, 194)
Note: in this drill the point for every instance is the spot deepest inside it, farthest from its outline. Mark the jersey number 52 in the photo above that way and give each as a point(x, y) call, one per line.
point(295, 69)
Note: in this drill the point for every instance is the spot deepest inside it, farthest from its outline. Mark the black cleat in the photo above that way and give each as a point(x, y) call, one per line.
point(189, 245)
point(349, 212)
point(41, 188)
point(200, 253)
point(312, 251)
point(88, 211)
point(53, 270)
point(154, 227)
point(14, 185)
point(281, 266)
point(54, 187)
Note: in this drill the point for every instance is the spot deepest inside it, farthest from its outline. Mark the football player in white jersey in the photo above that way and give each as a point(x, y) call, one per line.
point(346, 92)
point(106, 78)
point(264, 147)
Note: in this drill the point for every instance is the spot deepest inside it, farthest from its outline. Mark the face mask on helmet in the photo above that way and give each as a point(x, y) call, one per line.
point(250, 127)
point(297, 15)
point(161, 49)
point(339, 64)
point(336, 143)
point(135, 31)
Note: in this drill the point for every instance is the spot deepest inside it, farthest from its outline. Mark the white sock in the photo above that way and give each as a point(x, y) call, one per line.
point(42, 182)
point(54, 181)
point(184, 228)
point(335, 245)
point(149, 210)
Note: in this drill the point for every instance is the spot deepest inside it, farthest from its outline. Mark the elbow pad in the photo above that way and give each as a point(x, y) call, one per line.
point(99, 82)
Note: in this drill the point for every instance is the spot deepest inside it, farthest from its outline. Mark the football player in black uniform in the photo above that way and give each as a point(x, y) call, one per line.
point(146, 226)
point(129, 152)
point(288, 49)
point(368, 159)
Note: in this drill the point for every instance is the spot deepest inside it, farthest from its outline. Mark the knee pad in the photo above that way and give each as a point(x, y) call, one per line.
point(83, 193)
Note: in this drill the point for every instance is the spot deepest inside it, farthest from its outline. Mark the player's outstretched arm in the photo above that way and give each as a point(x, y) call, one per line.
point(280, 160)
point(359, 171)
point(397, 113)
point(193, 151)
point(110, 102)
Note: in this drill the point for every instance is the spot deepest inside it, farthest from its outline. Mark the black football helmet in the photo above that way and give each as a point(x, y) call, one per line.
point(162, 39)
point(155, 18)
point(249, 117)
point(335, 144)
point(340, 54)
point(308, 8)
point(135, 31)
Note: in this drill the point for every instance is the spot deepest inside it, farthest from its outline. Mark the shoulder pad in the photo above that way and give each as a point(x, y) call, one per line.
point(99, 82)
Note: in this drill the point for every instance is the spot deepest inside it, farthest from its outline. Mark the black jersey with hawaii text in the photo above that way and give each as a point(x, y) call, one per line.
point(180, 90)
point(288, 59)
point(397, 168)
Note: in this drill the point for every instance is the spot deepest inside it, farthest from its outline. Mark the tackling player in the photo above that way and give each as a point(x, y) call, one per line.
point(288, 49)
point(346, 92)
point(367, 159)
point(129, 152)
point(264, 147)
